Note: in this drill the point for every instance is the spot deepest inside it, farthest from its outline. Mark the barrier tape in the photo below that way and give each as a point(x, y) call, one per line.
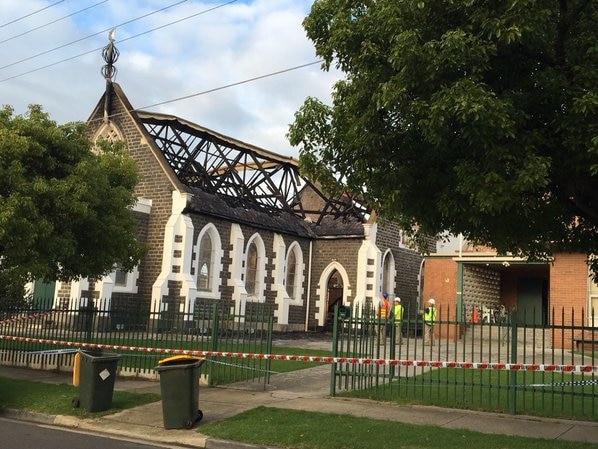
point(586, 369)
point(573, 383)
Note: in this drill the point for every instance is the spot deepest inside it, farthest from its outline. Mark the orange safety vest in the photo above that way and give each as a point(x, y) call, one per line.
point(384, 311)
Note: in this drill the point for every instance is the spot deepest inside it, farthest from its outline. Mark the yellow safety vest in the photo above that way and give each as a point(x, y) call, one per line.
point(430, 315)
point(397, 313)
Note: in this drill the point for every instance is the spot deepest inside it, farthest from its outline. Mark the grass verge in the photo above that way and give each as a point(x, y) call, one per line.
point(55, 399)
point(309, 430)
point(561, 395)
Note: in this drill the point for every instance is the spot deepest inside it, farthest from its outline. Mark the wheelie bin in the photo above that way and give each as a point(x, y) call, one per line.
point(179, 387)
point(97, 371)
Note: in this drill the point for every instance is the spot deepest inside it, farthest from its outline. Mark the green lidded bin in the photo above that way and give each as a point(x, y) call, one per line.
point(179, 387)
point(97, 373)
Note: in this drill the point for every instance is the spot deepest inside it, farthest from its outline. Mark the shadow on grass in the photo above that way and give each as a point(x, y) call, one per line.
point(56, 399)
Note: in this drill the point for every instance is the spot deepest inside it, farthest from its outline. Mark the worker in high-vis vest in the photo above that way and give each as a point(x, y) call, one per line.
point(383, 314)
point(397, 316)
point(429, 321)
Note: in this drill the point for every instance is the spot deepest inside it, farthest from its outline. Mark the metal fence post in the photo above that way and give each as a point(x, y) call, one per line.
point(214, 342)
point(334, 352)
point(268, 350)
point(513, 373)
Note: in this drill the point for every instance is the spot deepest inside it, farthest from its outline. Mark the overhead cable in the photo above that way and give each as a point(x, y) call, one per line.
point(120, 41)
point(52, 22)
point(91, 35)
point(29, 15)
point(226, 86)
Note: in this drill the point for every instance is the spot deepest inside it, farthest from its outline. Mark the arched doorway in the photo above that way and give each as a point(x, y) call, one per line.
point(334, 294)
point(333, 288)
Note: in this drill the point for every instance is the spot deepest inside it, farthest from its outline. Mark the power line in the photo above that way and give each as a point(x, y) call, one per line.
point(120, 41)
point(226, 86)
point(91, 35)
point(52, 22)
point(30, 14)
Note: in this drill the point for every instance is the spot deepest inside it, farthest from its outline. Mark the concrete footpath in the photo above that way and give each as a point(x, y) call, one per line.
point(300, 390)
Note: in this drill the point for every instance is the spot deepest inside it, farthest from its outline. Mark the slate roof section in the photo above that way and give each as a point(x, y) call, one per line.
point(236, 210)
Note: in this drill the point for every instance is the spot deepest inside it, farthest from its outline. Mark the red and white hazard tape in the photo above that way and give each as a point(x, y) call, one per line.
point(586, 369)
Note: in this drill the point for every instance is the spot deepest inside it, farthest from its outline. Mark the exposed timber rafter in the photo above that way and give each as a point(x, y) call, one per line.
point(218, 164)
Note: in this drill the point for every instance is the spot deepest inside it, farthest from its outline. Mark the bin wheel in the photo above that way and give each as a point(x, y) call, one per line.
point(199, 415)
point(75, 402)
point(188, 424)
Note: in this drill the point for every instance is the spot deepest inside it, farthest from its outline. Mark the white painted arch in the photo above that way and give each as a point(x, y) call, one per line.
point(322, 290)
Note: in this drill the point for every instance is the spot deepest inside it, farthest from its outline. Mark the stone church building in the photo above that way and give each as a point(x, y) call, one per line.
point(225, 221)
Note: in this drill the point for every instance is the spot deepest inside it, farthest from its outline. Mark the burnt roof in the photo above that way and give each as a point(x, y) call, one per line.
point(241, 182)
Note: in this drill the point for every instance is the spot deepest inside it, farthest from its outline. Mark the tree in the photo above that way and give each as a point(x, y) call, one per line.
point(476, 117)
point(64, 204)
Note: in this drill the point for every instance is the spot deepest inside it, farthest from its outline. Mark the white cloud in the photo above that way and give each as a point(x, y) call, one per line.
point(227, 45)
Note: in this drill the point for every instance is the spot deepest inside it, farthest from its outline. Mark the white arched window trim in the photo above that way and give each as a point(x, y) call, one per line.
point(260, 286)
point(388, 272)
point(297, 280)
point(215, 261)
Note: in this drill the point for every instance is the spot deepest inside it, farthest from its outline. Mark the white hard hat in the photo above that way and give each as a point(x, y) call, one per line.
point(432, 301)
point(397, 299)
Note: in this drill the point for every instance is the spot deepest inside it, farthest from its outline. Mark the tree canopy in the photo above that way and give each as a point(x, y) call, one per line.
point(476, 117)
point(65, 208)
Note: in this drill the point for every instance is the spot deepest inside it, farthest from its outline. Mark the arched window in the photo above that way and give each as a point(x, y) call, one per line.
point(206, 263)
point(388, 273)
point(255, 269)
point(251, 281)
point(292, 271)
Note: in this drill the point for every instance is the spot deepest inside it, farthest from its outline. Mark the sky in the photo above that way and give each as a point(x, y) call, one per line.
point(51, 54)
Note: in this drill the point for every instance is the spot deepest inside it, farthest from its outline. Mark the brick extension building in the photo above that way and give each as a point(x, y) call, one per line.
point(227, 221)
point(558, 292)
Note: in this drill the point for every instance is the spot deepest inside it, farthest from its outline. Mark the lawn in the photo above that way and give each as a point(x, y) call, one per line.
point(282, 427)
point(310, 430)
point(55, 399)
point(559, 397)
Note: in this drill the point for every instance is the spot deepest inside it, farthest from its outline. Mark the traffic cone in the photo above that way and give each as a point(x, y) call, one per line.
point(474, 317)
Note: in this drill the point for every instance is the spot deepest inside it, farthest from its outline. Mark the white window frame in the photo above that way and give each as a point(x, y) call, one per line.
point(388, 273)
point(131, 281)
point(216, 262)
point(298, 278)
point(260, 286)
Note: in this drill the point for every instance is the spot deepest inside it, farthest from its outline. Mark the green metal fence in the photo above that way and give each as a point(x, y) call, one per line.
point(41, 335)
point(548, 385)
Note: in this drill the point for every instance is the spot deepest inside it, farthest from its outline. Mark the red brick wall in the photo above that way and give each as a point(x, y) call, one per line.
point(440, 283)
point(568, 296)
point(569, 283)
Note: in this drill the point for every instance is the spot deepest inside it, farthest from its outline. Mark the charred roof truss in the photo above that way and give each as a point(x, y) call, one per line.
point(217, 164)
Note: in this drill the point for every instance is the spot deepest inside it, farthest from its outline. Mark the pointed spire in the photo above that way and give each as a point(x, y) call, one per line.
point(110, 54)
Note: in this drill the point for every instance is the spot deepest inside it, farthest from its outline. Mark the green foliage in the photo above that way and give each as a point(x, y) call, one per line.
point(64, 209)
point(471, 117)
point(13, 297)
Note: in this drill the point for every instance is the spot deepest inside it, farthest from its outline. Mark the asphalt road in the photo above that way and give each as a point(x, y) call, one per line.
point(24, 435)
